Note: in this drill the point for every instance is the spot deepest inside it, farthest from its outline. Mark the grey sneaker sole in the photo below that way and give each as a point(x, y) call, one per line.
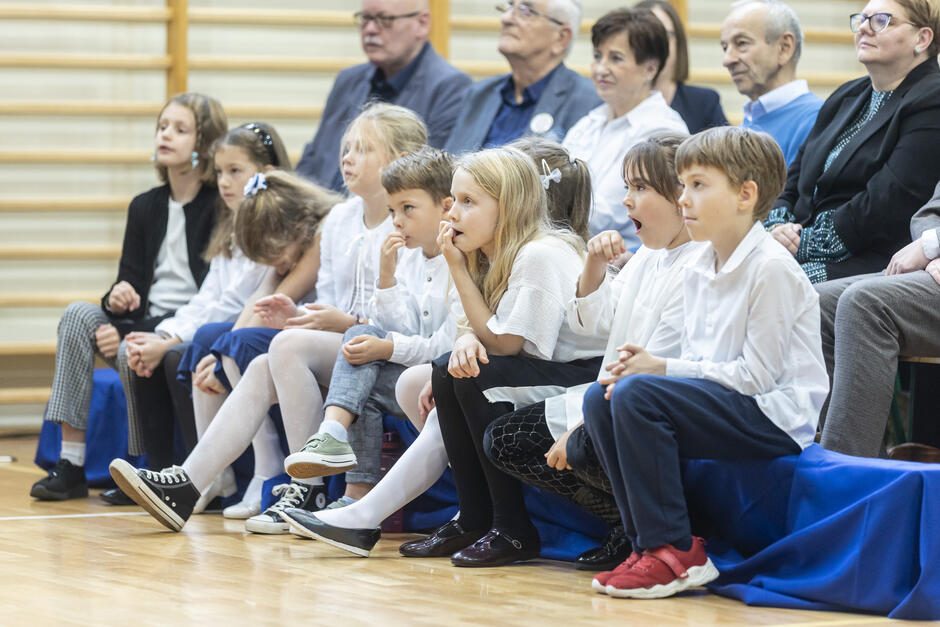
point(264, 525)
point(304, 465)
point(300, 530)
point(133, 486)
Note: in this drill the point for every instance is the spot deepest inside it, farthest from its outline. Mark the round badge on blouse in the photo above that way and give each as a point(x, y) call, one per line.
point(541, 123)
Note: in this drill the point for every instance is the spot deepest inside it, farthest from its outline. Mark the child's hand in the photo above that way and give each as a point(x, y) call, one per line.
point(276, 310)
point(107, 339)
point(322, 318)
point(365, 348)
point(123, 298)
point(557, 456)
point(468, 350)
point(445, 240)
point(633, 360)
point(204, 376)
point(789, 235)
point(389, 259)
point(145, 351)
point(426, 401)
point(606, 248)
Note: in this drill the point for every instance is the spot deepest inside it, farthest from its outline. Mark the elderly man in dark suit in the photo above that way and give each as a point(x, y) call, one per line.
point(540, 96)
point(867, 322)
point(403, 69)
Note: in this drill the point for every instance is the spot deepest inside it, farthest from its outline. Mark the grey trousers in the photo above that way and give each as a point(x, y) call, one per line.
point(72, 383)
point(867, 322)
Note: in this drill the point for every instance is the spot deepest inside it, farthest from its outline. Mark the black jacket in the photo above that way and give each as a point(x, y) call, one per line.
point(143, 235)
point(880, 179)
point(699, 107)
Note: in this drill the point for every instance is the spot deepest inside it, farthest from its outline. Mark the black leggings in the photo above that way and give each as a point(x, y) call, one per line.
point(516, 443)
point(160, 398)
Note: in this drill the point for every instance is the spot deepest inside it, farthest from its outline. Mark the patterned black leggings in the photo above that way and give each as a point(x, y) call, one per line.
point(516, 443)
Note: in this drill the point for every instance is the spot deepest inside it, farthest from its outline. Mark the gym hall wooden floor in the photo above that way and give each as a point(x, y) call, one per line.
point(82, 562)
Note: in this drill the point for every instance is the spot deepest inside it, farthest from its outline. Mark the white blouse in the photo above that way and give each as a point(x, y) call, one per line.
point(173, 283)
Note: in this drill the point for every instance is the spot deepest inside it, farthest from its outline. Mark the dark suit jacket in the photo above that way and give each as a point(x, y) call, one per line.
point(567, 98)
point(700, 107)
point(143, 235)
point(434, 92)
point(885, 174)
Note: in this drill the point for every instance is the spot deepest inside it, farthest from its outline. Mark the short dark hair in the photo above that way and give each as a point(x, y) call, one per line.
point(654, 161)
point(681, 74)
point(427, 168)
point(646, 35)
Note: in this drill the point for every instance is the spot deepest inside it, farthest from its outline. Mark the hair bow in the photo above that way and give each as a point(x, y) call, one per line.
point(256, 183)
point(548, 176)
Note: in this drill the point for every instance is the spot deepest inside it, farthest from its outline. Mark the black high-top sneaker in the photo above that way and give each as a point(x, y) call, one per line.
point(310, 498)
point(65, 481)
point(168, 495)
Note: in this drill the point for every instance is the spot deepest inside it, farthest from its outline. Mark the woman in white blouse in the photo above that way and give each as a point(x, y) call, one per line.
point(630, 49)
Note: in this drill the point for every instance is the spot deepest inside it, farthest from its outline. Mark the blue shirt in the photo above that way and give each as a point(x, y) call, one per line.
point(513, 117)
point(788, 125)
point(385, 89)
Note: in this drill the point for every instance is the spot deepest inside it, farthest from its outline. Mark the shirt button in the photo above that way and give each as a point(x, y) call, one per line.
point(429, 279)
point(425, 313)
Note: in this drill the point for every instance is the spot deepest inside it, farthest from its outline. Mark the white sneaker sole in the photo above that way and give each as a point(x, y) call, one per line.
point(597, 586)
point(257, 524)
point(304, 465)
point(303, 532)
point(133, 486)
point(698, 576)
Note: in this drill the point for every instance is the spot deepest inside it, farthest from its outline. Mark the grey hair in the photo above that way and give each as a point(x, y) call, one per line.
point(781, 18)
point(569, 12)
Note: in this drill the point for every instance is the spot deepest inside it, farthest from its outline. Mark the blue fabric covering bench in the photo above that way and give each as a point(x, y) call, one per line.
point(822, 531)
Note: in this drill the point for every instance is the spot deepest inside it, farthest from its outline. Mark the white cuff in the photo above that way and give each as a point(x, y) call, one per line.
point(930, 240)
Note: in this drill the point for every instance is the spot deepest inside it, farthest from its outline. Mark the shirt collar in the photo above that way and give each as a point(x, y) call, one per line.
point(530, 94)
point(776, 98)
point(751, 241)
point(398, 82)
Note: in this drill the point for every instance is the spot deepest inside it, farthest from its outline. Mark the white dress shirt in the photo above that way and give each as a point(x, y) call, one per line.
point(602, 142)
point(930, 240)
point(753, 326)
point(774, 99)
point(420, 311)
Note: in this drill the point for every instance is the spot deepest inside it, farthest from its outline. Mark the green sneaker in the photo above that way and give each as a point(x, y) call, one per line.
point(322, 455)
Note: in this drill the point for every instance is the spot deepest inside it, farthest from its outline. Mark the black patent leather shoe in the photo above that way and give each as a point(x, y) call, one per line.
point(115, 496)
point(497, 549)
point(443, 541)
point(615, 550)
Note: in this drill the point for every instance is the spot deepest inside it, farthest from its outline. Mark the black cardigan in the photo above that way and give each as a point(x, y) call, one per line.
point(880, 179)
point(143, 235)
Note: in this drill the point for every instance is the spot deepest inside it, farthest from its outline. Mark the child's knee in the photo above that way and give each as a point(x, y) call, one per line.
point(363, 329)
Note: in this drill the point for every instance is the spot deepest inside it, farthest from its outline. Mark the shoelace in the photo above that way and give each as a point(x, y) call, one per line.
point(291, 495)
point(167, 476)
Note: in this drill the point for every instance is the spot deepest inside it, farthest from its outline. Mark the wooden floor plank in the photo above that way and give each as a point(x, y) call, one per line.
point(97, 568)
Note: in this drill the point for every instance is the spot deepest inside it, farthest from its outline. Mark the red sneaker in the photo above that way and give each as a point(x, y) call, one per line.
point(600, 579)
point(664, 571)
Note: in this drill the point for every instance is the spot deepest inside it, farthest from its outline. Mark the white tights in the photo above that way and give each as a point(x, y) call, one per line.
point(417, 469)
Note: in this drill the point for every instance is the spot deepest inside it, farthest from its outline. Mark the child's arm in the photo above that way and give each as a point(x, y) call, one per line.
point(123, 298)
point(299, 282)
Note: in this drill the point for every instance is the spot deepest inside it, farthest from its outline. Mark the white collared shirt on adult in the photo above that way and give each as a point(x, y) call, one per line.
point(602, 142)
point(774, 99)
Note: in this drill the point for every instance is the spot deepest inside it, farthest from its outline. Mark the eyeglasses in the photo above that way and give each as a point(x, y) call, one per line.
point(876, 21)
point(525, 11)
point(383, 21)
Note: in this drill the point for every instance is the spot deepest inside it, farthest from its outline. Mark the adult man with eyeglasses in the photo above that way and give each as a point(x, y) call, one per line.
point(762, 41)
point(403, 69)
point(540, 96)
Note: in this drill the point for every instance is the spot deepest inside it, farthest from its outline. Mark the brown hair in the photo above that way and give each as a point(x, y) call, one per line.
point(681, 74)
point(429, 169)
point(743, 155)
point(289, 210)
point(211, 124)
point(646, 35)
point(924, 14)
point(264, 147)
point(654, 161)
point(569, 201)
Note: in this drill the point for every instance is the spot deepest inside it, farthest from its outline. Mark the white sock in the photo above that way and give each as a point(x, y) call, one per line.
point(234, 426)
point(74, 452)
point(311, 481)
point(408, 387)
point(417, 469)
point(335, 429)
point(205, 407)
point(253, 491)
point(269, 458)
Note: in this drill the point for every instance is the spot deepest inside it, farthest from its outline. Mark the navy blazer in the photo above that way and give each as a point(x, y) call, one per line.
point(567, 98)
point(880, 179)
point(700, 107)
point(434, 92)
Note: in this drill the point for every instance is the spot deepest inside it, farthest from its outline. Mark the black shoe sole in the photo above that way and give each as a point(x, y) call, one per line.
point(40, 492)
point(362, 549)
point(125, 476)
point(116, 498)
point(525, 557)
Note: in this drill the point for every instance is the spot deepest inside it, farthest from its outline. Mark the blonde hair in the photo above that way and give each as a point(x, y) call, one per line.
point(742, 155)
point(264, 148)
point(211, 124)
point(509, 176)
point(396, 129)
point(288, 211)
point(924, 14)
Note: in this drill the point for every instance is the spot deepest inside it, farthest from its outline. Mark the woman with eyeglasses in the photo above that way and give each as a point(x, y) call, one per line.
point(871, 160)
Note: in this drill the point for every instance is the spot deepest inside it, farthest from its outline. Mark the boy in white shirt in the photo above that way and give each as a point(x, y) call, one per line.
point(415, 308)
point(750, 379)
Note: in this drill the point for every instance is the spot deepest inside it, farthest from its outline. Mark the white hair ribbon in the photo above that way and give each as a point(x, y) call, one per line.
point(548, 176)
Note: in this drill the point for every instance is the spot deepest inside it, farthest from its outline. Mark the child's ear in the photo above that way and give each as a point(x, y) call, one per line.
point(447, 203)
point(747, 197)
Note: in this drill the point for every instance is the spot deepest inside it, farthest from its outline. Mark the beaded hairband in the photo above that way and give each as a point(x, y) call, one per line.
point(265, 140)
